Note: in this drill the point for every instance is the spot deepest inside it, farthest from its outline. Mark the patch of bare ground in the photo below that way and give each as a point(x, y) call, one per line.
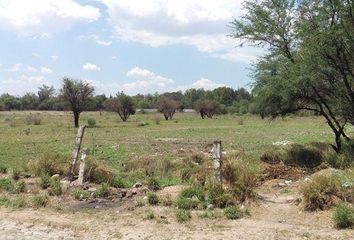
point(277, 215)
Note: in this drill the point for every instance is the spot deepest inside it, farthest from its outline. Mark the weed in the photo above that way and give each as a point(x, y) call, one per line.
point(18, 202)
point(102, 190)
point(149, 215)
point(3, 169)
point(186, 203)
point(49, 164)
point(153, 184)
point(191, 192)
point(91, 122)
point(167, 201)
point(7, 185)
point(140, 203)
point(119, 182)
point(80, 194)
point(233, 212)
point(152, 198)
point(44, 181)
point(20, 186)
point(343, 215)
point(40, 201)
point(183, 216)
point(97, 172)
point(55, 187)
point(271, 157)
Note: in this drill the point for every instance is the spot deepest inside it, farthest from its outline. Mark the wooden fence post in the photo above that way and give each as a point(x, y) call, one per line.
point(76, 150)
point(217, 160)
point(84, 153)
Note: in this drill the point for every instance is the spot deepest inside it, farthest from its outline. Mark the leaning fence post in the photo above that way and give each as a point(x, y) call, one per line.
point(217, 161)
point(76, 150)
point(82, 166)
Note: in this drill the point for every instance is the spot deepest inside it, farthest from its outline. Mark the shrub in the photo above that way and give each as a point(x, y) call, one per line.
point(7, 185)
point(272, 157)
point(80, 194)
point(49, 164)
point(102, 190)
point(233, 212)
point(40, 201)
point(18, 202)
point(15, 173)
point(44, 181)
point(97, 172)
point(153, 184)
point(191, 192)
point(302, 156)
point(157, 120)
point(343, 215)
point(55, 187)
point(20, 186)
point(186, 203)
point(318, 193)
point(242, 175)
point(152, 198)
point(218, 196)
point(343, 160)
point(91, 122)
point(167, 201)
point(3, 169)
point(37, 120)
point(149, 215)
point(119, 182)
point(183, 216)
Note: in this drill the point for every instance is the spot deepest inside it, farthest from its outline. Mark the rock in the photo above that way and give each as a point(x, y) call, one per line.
point(56, 176)
point(210, 206)
point(288, 182)
point(121, 193)
point(137, 185)
point(92, 189)
point(282, 184)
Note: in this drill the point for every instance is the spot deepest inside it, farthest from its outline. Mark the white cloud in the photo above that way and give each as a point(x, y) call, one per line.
point(31, 69)
point(43, 17)
point(201, 24)
point(46, 70)
point(22, 84)
point(205, 84)
point(91, 67)
point(35, 54)
point(54, 57)
point(97, 39)
point(114, 57)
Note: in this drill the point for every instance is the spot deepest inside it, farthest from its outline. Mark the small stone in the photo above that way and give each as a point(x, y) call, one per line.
point(56, 176)
point(92, 189)
point(137, 185)
point(281, 184)
point(288, 182)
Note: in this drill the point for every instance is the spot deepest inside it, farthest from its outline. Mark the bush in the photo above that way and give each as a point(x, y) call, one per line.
point(149, 215)
point(157, 120)
point(49, 164)
point(343, 215)
point(80, 194)
point(242, 175)
point(343, 160)
point(119, 182)
point(18, 202)
point(40, 201)
point(233, 213)
point(152, 198)
point(183, 216)
point(318, 193)
point(191, 192)
point(272, 157)
point(44, 181)
point(153, 184)
point(55, 187)
point(91, 122)
point(97, 172)
point(218, 196)
point(7, 185)
point(103, 190)
point(186, 203)
point(20, 186)
point(302, 156)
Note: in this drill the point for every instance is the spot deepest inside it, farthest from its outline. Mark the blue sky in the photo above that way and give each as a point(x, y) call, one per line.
point(135, 46)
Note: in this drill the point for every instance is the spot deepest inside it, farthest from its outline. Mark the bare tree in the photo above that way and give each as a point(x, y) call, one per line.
point(167, 107)
point(77, 93)
point(207, 108)
point(122, 104)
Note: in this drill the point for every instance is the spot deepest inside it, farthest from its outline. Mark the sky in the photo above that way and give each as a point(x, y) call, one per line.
point(134, 46)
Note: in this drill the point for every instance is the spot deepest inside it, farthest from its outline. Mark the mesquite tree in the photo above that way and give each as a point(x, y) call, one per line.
point(122, 104)
point(310, 60)
point(77, 93)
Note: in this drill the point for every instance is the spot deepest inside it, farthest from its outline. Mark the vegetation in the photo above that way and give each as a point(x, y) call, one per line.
point(152, 198)
point(167, 107)
point(309, 65)
point(40, 201)
point(233, 213)
point(102, 190)
point(343, 215)
point(183, 216)
point(122, 104)
point(77, 93)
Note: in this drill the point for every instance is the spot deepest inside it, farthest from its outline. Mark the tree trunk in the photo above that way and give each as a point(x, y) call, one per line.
point(76, 119)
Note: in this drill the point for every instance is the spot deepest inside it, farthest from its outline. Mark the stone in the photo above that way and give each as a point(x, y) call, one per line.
point(56, 176)
point(137, 185)
point(210, 206)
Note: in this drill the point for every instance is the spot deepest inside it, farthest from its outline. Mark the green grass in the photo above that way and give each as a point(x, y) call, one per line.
point(119, 144)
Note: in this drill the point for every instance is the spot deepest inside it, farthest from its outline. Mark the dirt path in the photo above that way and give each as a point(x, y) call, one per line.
point(276, 217)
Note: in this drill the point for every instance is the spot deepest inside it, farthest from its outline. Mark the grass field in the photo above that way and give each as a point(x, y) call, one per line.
point(114, 141)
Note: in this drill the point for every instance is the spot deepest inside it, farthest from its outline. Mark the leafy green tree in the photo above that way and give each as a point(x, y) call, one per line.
point(77, 93)
point(310, 60)
point(122, 104)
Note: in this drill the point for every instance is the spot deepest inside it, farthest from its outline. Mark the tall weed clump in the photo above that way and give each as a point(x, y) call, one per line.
point(49, 164)
point(344, 159)
point(302, 156)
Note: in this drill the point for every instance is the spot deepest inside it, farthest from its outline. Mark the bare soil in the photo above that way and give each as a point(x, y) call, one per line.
point(277, 215)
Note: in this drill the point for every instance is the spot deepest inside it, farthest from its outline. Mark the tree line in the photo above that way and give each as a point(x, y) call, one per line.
point(77, 96)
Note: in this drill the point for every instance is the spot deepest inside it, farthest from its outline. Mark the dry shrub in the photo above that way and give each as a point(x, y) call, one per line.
point(97, 172)
point(49, 164)
point(147, 164)
point(320, 192)
point(196, 168)
point(272, 157)
point(242, 175)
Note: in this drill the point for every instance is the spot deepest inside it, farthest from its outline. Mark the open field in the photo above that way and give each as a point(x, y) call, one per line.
point(20, 143)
